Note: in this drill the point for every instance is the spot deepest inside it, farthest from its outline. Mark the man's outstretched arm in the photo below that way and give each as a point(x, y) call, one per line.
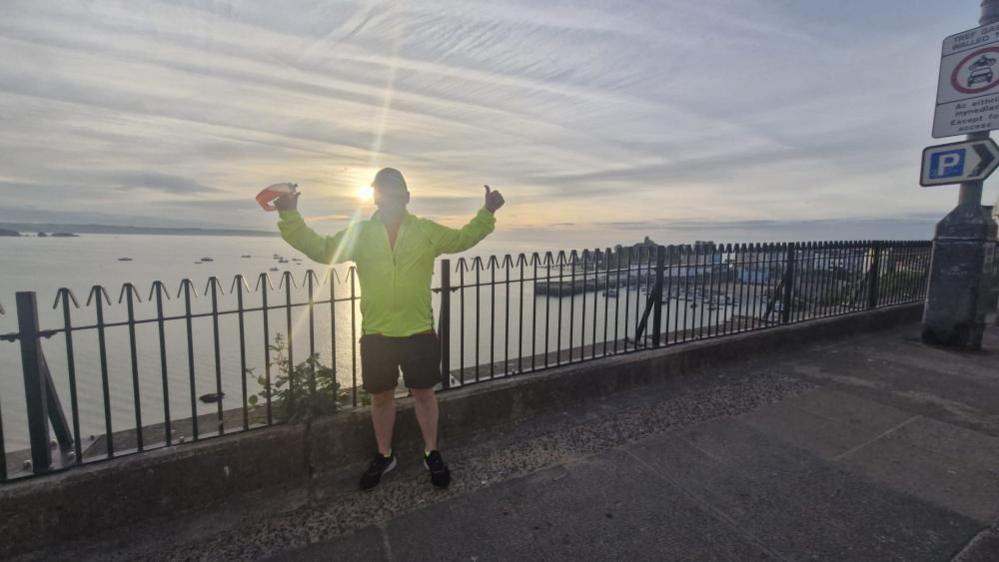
point(453, 240)
point(323, 249)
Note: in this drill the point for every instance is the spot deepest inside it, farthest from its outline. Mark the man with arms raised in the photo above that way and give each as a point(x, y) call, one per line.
point(394, 252)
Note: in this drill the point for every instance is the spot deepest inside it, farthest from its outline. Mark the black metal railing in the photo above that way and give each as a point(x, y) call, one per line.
point(136, 372)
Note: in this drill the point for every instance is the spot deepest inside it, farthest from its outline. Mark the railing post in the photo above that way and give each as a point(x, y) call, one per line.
point(874, 290)
point(657, 310)
point(785, 314)
point(34, 382)
point(444, 333)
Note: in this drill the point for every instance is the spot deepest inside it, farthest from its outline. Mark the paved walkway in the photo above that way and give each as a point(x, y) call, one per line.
point(868, 448)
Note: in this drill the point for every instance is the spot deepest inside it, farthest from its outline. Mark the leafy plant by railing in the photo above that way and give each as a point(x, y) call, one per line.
point(293, 393)
point(304, 389)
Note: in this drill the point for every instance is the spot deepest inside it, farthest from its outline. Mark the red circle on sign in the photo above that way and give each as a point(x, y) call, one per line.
point(992, 82)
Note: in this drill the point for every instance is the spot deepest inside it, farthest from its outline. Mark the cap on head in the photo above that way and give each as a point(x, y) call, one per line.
point(389, 179)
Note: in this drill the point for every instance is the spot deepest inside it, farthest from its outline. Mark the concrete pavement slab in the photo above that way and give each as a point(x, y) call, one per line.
point(607, 507)
point(964, 446)
point(894, 368)
point(798, 505)
point(847, 409)
point(825, 436)
point(944, 480)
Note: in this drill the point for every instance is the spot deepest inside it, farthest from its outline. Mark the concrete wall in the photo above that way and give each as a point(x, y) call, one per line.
point(101, 496)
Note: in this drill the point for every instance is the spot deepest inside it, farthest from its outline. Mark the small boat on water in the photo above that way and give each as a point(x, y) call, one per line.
point(124, 259)
point(207, 259)
point(246, 256)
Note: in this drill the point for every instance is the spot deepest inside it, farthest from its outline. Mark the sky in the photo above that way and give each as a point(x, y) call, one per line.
point(599, 121)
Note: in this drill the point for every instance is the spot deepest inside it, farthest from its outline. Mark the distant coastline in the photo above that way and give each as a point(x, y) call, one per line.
point(137, 230)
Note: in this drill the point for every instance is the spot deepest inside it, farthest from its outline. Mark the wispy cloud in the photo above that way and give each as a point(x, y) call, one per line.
point(599, 114)
point(161, 182)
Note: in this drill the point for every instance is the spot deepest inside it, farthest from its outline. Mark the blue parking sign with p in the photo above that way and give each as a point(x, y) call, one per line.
point(947, 164)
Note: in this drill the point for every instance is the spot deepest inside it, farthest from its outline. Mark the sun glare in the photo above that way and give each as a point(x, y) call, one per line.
point(365, 193)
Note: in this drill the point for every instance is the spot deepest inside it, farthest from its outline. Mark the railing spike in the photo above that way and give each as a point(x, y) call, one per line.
point(286, 278)
point(130, 288)
point(214, 281)
point(160, 287)
point(263, 277)
point(60, 293)
point(329, 275)
point(186, 283)
point(100, 291)
point(310, 274)
point(239, 279)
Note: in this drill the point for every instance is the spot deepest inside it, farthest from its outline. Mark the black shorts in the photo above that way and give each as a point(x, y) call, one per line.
point(419, 356)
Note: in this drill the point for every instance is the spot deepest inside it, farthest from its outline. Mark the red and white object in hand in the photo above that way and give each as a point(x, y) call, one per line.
point(270, 193)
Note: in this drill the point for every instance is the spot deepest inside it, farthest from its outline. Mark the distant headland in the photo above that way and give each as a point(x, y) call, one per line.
point(71, 230)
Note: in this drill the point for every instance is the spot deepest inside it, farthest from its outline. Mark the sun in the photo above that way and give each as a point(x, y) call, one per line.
point(365, 193)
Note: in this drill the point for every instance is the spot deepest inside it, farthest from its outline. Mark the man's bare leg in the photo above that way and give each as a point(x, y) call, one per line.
point(427, 414)
point(383, 419)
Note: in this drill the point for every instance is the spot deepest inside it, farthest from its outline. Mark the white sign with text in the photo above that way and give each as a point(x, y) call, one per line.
point(968, 86)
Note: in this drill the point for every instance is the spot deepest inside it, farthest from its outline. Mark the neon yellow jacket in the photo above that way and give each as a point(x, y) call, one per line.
point(395, 282)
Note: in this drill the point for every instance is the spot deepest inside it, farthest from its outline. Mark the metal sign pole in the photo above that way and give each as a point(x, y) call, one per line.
point(957, 296)
point(971, 191)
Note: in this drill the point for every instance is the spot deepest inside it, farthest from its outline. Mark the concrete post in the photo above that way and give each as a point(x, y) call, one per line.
point(958, 294)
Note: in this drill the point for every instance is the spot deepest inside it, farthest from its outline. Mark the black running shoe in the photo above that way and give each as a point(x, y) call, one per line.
point(440, 476)
point(379, 466)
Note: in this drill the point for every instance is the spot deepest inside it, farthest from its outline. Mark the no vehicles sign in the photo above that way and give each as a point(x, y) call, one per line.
point(968, 88)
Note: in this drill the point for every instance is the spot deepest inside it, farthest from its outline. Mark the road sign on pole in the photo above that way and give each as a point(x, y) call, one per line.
point(968, 86)
point(959, 162)
point(964, 242)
